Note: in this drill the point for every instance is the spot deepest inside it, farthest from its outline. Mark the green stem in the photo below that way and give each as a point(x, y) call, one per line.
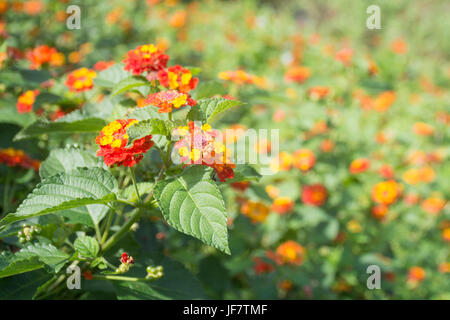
point(108, 225)
point(134, 218)
point(6, 199)
point(125, 228)
point(133, 177)
point(119, 278)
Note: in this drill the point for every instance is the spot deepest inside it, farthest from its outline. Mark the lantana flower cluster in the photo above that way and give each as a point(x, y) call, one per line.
point(113, 140)
point(26, 101)
point(17, 158)
point(43, 55)
point(145, 58)
point(81, 80)
point(165, 101)
point(178, 81)
point(201, 145)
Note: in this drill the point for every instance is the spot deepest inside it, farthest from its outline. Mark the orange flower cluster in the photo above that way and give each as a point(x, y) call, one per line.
point(433, 205)
point(380, 103)
point(26, 101)
point(380, 211)
point(386, 192)
point(103, 65)
point(303, 159)
point(256, 211)
point(145, 58)
point(423, 129)
point(167, 100)
point(314, 195)
point(414, 176)
point(318, 92)
point(17, 158)
point(297, 74)
point(289, 252)
point(113, 140)
point(200, 145)
point(416, 274)
point(282, 205)
point(81, 80)
point(359, 165)
point(241, 77)
point(345, 56)
point(43, 55)
point(177, 78)
point(446, 234)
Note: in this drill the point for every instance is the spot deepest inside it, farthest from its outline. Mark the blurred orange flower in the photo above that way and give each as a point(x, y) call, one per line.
point(282, 205)
point(303, 159)
point(359, 165)
point(256, 211)
point(386, 192)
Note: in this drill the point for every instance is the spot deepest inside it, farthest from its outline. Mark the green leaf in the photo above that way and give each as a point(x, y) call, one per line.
point(208, 108)
point(192, 204)
point(42, 126)
point(47, 254)
point(129, 83)
point(150, 126)
point(244, 172)
point(64, 160)
point(90, 187)
point(146, 113)
point(108, 78)
point(87, 247)
point(9, 114)
point(129, 192)
point(208, 89)
point(22, 286)
point(12, 264)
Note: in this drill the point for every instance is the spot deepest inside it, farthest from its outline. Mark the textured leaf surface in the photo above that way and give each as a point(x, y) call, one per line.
point(108, 78)
point(47, 254)
point(91, 187)
point(128, 84)
point(43, 126)
point(208, 108)
point(244, 172)
point(87, 246)
point(64, 160)
point(11, 264)
point(192, 204)
point(146, 127)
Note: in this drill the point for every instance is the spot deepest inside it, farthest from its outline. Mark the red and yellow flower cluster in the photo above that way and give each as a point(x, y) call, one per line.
point(386, 192)
point(17, 158)
point(256, 211)
point(26, 101)
point(201, 145)
point(289, 252)
point(165, 101)
point(113, 140)
point(241, 77)
point(43, 55)
point(314, 195)
point(145, 58)
point(177, 78)
point(303, 159)
point(81, 80)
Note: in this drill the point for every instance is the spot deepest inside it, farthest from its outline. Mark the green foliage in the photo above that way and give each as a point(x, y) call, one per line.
point(90, 187)
point(87, 247)
point(192, 204)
